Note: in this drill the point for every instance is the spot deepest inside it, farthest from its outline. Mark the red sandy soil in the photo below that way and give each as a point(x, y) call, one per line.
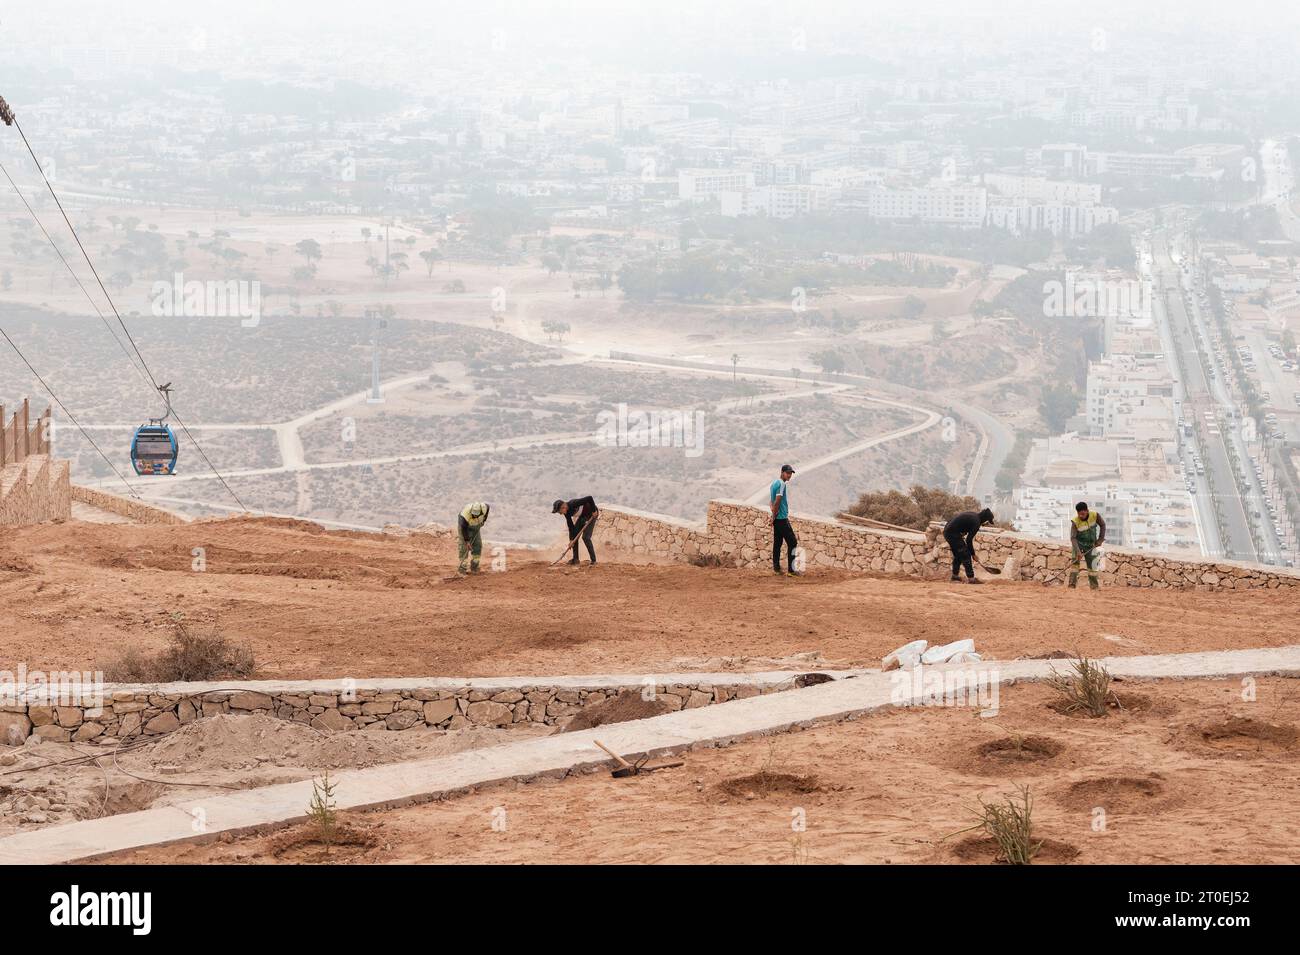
point(315, 604)
point(1191, 773)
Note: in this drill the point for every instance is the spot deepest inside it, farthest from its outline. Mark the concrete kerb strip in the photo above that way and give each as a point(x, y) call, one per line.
point(400, 784)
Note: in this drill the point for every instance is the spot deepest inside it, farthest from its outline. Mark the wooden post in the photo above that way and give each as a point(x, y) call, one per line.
point(4, 438)
point(27, 434)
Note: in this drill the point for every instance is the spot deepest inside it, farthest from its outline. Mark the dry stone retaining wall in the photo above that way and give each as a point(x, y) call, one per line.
point(739, 534)
point(35, 490)
point(151, 711)
point(137, 511)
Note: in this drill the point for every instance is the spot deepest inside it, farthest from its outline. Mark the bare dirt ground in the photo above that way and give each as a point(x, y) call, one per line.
point(60, 782)
point(1191, 773)
point(315, 604)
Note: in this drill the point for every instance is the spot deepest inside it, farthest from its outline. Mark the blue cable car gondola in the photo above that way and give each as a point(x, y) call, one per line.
point(153, 446)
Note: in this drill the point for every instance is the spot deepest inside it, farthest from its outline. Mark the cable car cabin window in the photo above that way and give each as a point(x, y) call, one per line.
point(154, 448)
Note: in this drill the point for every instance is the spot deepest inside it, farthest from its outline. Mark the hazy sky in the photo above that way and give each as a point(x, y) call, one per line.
point(591, 22)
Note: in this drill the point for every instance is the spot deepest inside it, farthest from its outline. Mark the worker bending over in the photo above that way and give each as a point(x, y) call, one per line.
point(470, 539)
point(960, 533)
point(1087, 534)
point(580, 514)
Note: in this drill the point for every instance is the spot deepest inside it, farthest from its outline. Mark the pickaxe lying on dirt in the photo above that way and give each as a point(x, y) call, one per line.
point(634, 769)
point(573, 541)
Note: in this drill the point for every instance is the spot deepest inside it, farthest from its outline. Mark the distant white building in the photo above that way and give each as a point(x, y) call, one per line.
point(699, 185)
point(1133, 487)
point(776, 201)
point(1116, 381)
point(1040, 189)
point(1021, 216)
point(946, 205)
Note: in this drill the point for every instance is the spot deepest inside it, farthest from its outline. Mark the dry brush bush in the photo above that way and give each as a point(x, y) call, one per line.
point(1086, 687)
point(189, 656)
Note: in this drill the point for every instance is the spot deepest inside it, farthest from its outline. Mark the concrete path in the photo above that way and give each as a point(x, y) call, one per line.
point(554, 756)
point(95, 515)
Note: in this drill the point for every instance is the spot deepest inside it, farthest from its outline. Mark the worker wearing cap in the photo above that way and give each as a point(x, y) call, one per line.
point(782, 531)
point(580, 514)
point(470, 524)
point(1087, 533)
point(960, 533)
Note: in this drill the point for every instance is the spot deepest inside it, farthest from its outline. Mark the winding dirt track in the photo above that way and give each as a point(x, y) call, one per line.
point(315, 603)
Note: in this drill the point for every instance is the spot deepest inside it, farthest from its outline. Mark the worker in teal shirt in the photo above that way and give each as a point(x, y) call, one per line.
point(782, 532)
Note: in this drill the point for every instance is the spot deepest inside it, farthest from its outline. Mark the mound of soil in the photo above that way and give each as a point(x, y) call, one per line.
point(985, 849)
point(298, 571)
point(1118, 703)
point(303, 845)
point(1022, 749)
point(1115, 793)
point(14, 564)
point(765, 783)
point(229, 742)
point(1244, 735)
point(628, 705)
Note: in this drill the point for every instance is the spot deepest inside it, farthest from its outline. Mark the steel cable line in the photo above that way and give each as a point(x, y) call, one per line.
point(76, 278)
point(64, 409)
point(8, 117)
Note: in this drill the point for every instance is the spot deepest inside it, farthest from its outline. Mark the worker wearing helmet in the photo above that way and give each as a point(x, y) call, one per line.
point(470, 525)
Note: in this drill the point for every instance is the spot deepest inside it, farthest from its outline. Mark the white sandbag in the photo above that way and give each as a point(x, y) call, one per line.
point(965, 658)
point(906, 656)
point(947, 651)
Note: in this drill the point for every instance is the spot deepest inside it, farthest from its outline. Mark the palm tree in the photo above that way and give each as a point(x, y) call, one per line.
point(735, 360)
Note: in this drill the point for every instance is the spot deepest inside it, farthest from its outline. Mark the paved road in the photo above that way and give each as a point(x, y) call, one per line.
point(1199, 396)
point(1279, 180)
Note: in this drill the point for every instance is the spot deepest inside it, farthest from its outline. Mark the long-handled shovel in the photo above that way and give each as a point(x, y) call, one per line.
point(626, 769)
point(573, 541)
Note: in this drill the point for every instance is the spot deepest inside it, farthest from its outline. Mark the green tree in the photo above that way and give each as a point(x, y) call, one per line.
point(913, 307)
point(639, 281)
point(1057, 405)
point(830, 361)
point(431, 257)
point(309, 249)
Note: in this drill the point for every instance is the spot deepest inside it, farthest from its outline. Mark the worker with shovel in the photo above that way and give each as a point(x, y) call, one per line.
point(580, 514)
point(960, 533)
point(470, 536)
point(1087, 533)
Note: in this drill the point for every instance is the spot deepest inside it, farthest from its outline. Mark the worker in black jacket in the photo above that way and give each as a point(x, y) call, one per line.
point(580, 514)
point(960, 533)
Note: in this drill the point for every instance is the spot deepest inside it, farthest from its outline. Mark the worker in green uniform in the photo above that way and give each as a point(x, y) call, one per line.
point(470, 536)
point(1087, 534)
